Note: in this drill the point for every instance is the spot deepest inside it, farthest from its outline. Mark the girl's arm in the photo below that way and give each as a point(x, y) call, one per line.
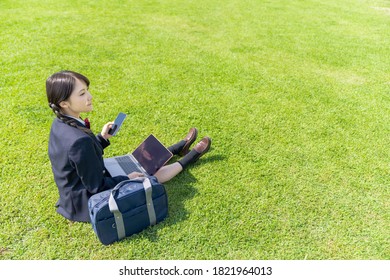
point(89, 166)
point(103, 136)
point(105, 130)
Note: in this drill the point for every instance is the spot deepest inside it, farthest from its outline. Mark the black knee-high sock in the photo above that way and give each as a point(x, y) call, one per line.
point(176, 148)
point(189, 158)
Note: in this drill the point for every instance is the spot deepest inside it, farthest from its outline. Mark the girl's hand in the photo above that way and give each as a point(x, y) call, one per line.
point(134, 175)
point(105, 130)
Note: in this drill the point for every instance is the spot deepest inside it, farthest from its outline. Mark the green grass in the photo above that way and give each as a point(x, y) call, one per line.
point(295, 95)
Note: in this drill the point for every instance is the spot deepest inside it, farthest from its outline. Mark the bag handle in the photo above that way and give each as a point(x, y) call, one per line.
point(113, 206)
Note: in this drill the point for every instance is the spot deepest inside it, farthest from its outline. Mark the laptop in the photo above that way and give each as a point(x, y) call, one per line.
point(147, 158)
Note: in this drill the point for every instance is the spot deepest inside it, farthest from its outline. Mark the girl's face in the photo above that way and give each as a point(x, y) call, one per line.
point(80, 101)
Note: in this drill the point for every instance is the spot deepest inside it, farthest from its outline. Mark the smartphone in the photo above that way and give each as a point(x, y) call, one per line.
point(117, 124)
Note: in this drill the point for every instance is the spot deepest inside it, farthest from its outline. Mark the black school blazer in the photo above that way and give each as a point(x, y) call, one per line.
point(78, 169)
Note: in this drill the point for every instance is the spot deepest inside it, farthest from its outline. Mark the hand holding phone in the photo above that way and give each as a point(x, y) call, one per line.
point(117, 124)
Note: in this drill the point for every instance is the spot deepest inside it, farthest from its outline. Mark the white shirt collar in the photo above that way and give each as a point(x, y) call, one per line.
point(77, 119)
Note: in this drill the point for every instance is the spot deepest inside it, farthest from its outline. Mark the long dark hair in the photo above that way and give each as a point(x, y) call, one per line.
point(59, 87)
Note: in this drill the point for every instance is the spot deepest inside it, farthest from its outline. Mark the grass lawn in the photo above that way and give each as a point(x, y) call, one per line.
point(294, 94)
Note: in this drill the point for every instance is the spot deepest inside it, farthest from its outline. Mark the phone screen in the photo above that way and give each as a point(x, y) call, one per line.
point(117, 124)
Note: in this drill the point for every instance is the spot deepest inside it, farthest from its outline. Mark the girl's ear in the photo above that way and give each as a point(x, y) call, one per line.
point(64, 104)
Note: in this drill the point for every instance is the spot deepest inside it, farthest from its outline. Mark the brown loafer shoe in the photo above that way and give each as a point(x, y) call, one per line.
point(203, 146)
point(190, 138)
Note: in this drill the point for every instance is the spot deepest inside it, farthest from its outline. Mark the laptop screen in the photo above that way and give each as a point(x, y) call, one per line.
point(152, 155)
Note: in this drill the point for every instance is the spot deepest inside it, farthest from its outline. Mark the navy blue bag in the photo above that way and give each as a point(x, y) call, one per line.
point(130, 207)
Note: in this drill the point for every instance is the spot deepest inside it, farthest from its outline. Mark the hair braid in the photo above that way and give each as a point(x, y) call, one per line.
point(69, 121)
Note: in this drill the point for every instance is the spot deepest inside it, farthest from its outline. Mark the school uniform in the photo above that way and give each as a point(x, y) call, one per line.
point(78, 169)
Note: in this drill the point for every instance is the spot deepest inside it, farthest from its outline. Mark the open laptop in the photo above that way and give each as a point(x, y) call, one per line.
point(148, 158)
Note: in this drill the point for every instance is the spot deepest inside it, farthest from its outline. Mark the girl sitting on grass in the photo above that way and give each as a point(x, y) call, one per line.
point(76, 154)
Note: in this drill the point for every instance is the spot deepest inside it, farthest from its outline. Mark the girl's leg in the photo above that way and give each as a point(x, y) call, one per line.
point(181, 148)
point(167, 172)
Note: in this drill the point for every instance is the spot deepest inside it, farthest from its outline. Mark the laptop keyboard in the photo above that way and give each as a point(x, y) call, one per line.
point(127, 165)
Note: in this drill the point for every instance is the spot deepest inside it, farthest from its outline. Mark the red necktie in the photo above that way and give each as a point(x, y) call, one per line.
point(87, 123)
